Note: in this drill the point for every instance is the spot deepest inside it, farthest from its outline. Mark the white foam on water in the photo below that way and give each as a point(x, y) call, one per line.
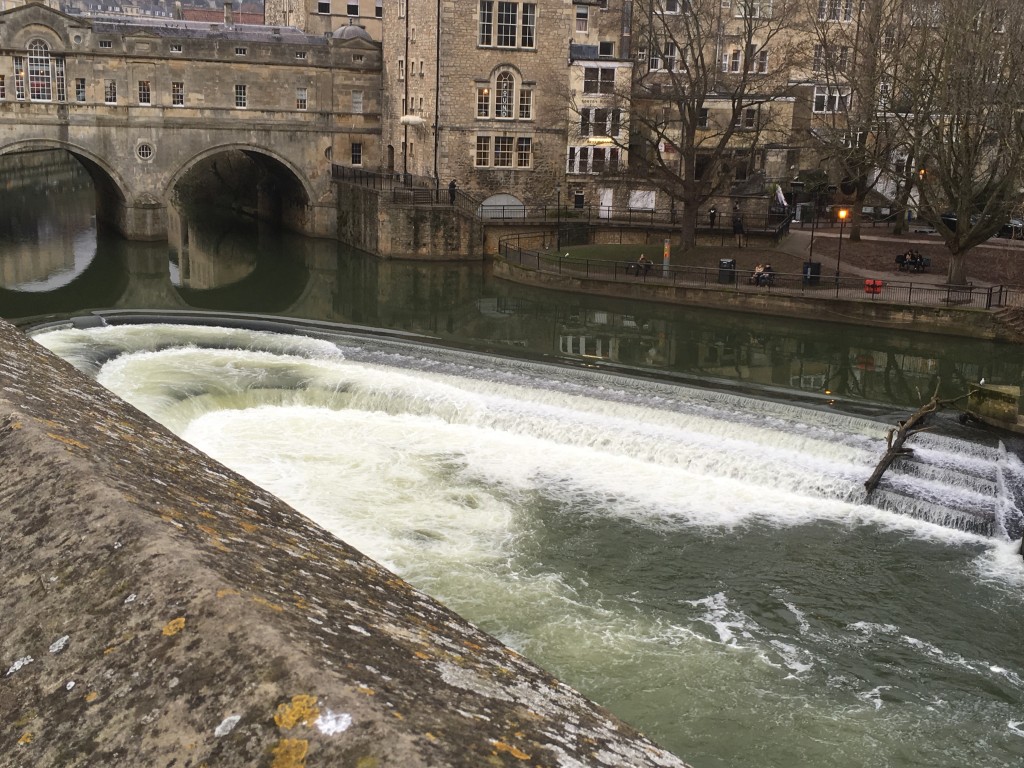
point(436, 464)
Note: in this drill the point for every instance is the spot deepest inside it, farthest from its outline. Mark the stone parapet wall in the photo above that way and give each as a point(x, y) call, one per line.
point(161, 610)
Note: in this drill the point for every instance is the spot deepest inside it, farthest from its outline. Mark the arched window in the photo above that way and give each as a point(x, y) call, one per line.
point(504, 93)
point(40, 80)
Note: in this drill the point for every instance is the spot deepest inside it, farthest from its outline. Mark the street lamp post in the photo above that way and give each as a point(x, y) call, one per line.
point(558, 218)
point(843, 213)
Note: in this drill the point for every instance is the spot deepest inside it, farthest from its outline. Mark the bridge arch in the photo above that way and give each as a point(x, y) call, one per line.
point(111, 187)
point(285, 195)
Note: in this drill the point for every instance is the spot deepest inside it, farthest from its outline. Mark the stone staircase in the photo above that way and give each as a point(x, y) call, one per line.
point(1010, 320)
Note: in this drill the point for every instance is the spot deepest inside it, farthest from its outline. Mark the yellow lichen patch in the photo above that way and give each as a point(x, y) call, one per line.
point(398, 715)
point(248, 527)
point(430, 736)
point(472, 646)
point(207, 515)
point(290, 753)
point(267, 604)
point(518, 754)
point(367, 691)
point(421, 655)
point(26, 738)
point(301, 709)
point(301, 603)
point(91, 696)
point(14, 425)
point(70, 442)
point(174, 626)
point(214, 534)
point(228, 592)
point(368, 762)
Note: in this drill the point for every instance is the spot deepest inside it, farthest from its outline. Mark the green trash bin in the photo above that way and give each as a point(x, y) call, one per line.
point(727, 271)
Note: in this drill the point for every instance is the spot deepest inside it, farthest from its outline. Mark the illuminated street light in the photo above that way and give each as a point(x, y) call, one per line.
point(843, 213)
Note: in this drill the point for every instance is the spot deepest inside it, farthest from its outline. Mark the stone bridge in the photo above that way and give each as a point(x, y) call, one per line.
point(142, 104)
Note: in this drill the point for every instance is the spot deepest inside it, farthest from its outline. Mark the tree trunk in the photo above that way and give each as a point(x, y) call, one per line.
point(957, 274)
point(688, 227)
point(856, 212)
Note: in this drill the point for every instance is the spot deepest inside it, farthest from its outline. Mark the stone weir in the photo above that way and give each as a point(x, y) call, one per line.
point(160, 610)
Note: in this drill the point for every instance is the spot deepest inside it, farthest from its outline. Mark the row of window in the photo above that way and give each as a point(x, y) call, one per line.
point(500, 101)
point(504, 152)
point(43, 88)
point(506, 24)
point(351, 9)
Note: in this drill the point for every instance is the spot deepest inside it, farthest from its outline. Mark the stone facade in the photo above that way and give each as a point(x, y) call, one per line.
point(141, 102)
point(324, 17)
point(483, 92)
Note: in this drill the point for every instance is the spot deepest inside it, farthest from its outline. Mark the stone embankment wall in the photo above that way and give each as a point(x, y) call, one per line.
point(160, 610)
point(970, 323)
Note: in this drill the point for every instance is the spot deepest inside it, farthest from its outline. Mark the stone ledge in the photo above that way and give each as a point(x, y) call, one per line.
point(161, 610)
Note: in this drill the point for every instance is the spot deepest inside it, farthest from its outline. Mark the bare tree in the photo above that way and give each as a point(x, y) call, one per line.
point(706, 94)
point(858, 53)
point(963, 118)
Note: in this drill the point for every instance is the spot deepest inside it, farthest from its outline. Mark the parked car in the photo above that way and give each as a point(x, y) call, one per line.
point(1013, 229)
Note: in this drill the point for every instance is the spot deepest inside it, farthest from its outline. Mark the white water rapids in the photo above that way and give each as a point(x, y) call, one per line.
point(704, 564)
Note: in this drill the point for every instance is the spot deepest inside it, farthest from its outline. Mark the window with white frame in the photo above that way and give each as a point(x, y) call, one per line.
point(357, 102)
point(504, 92)
point(702, 117)
point(40, 78)
point(592, 159)
point(831, 98)
point(830, 59)
point(524, 152)
point(110, 92)
point(752, 9)
point(177, 94)
point(672, 6)
point(378, 10)
point(353, 9)
point(746, 119)
point(19, 78)
point(401, 9)
point(323, 6)
point(506, 24)
point(503, 151)
point(241, 51)
point(3, 88)
point(669, 59)
point(357, 153)
point(582, 18)
point(401, 69)
point(483, 151)
point(175, 47)
point(756, 60)
point(600, 122)
point(525, 103)
point(732, 61)
point(79, 89)
point(599, 80)
point(145, 92)
point(835, 10)
point(301, 98)
point(241, 96)
point(504, 98)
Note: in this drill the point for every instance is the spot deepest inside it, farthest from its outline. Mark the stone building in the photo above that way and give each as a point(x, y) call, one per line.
point(486, 93)
point(324, 17)
point(142, 100)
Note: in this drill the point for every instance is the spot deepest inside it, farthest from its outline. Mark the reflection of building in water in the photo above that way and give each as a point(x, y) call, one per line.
point(617, 338)
point(48, 236)
point(210, 256)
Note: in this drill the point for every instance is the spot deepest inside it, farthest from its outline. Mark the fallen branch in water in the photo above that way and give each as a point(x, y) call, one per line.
point(905, 430)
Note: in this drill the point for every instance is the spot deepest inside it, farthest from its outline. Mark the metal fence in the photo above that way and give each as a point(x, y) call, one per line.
point(726, 277)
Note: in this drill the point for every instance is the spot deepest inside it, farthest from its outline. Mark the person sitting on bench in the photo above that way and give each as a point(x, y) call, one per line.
point(901, 262)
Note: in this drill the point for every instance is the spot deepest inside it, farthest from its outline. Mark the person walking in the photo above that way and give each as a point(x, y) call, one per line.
point(451, 192)
point(712, 215)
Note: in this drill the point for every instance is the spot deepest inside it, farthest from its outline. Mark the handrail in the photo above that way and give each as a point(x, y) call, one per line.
point(726, 277)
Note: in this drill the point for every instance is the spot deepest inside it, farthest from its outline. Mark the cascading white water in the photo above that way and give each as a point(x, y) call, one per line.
point(705, 564)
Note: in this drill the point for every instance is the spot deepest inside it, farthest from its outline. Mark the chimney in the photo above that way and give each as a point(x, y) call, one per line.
point(229, 14)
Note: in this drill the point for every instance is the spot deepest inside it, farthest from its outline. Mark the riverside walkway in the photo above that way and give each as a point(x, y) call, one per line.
point(824, 281)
